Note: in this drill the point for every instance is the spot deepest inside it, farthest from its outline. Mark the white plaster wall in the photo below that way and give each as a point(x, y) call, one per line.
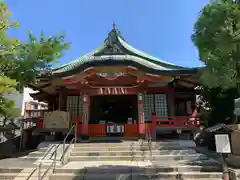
point(21, 98)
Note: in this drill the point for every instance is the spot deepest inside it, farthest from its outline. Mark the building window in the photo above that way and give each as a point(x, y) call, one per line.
point(157, 101)
point(34, 106)
point(148, 106)
point(161, 105)
point(75, 105)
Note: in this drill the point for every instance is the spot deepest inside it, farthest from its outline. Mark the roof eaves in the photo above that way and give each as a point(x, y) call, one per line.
point(147, 56)
point(73, 64)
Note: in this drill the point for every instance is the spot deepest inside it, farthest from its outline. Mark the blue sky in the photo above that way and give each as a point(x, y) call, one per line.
point(161, 28)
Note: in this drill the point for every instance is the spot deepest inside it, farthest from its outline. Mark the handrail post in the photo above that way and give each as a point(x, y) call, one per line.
point(63, 147)
point(54, 163)
point(64, 141)
point(63, 151)
point(39, 171)
point(75, 133)
point(55, 160)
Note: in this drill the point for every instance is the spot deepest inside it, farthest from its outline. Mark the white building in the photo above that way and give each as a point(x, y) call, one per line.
point(21, 99)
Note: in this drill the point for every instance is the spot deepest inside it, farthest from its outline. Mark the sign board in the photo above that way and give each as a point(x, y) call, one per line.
point(222, 143)
point(56, 120)
point(112, 91)
point(115, 129)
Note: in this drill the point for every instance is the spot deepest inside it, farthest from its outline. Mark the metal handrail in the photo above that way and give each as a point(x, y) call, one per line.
point(53, 164)
point(64, 141)
point(46, 152)
point(149, 139)
point(63, 154)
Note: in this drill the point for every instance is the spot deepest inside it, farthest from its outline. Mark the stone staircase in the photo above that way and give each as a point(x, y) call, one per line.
point(127, 160)
point(35, 155)
point(132, 160)
point(9, 173)
point(25, 166)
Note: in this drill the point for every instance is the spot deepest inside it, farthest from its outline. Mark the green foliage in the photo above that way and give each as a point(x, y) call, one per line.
point(36, 56)
point(217, 39)
point(217, 105)
point(7, 107)
point(22, 62)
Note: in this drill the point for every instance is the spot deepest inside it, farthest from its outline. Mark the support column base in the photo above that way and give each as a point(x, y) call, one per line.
point(142, 136)
point(154, 136)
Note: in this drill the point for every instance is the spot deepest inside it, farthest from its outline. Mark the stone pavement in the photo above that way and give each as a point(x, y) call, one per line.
point(172, 159)
point(16, 162)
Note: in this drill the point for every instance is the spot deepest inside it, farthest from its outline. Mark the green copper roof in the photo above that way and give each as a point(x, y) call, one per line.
point(116, 51)
point(147, 56)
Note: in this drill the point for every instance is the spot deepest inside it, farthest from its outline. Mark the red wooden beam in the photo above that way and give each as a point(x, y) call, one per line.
point(157, 89)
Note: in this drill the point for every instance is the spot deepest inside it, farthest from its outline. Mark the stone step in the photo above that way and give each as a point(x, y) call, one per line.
point(8, 176)
point(10, 170)
point(203, 179)
point(43, 149)
point(29, 158)
point(32, 174)
point(130, 145)
point(47, 162)
point(136, 176)
point(138, 152)
point(146, 157)
point(165, 143)
point(206, 162)
point(128, 169)
point(115, 148)
point(36, 154)
point(132, 149)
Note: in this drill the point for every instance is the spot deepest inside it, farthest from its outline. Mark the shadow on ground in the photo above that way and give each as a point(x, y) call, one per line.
point(121, 172)
point(127, 172)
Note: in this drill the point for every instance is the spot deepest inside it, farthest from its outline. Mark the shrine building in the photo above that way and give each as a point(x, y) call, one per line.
point(117, 90)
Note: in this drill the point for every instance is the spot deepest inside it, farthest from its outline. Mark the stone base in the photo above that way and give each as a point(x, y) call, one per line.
point(233, 161)
point(142, 136)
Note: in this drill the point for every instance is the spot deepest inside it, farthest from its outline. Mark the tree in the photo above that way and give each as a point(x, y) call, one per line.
point(22, 62)
point(216, 105)
point(217, 40)
point(7, 107)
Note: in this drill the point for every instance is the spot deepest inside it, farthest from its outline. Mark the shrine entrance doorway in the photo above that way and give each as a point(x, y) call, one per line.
point(115, 111)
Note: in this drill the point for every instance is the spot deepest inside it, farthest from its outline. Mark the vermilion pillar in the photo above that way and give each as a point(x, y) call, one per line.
point(141, 117)
point(85, 115)
point(154, 126)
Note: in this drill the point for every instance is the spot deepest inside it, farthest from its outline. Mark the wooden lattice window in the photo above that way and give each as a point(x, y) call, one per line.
point(75, 105)
point(161, 105)
point(148, 106)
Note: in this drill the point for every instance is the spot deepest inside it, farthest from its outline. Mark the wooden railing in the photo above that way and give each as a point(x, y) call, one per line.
point(133, 130)
point(97, 130)
point(175, 121)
